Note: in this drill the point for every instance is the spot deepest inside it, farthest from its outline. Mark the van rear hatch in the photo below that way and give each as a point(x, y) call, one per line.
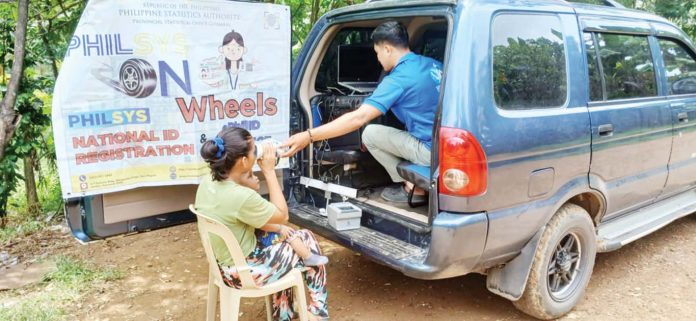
point(415, 242)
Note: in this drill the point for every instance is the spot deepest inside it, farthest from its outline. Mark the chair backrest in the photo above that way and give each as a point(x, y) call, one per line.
point(208, 226)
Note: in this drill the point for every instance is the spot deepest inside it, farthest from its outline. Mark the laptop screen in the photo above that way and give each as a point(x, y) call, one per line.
point(358, 63)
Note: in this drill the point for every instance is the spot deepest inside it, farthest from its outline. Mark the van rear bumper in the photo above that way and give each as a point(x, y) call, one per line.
point(456, 243)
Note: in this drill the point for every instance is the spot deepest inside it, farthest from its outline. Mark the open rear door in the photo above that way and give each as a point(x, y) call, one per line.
point(143, 85)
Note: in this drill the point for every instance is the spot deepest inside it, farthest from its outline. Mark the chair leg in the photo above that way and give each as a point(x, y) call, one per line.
point(301, 297)
point(269, 307)
point(229, 306)
point(212, 300)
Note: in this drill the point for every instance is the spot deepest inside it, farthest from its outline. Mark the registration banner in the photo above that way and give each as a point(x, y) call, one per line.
point(145, 83)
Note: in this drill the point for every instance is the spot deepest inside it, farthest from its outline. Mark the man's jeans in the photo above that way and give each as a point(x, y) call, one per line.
point(390, 146)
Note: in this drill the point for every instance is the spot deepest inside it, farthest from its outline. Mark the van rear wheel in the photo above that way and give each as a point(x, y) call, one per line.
point(562, 265)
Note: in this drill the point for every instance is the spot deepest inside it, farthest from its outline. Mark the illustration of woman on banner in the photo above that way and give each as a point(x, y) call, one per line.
point(233, 51)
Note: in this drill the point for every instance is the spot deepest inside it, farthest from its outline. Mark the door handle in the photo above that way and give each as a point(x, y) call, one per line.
point(605, 130)
point(683, 117)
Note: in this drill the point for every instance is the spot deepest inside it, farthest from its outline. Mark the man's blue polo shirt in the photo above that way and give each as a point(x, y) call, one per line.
point(411, 91)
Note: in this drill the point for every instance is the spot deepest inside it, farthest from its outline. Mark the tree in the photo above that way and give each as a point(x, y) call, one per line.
point(54, 23)
point(682, 13)
point(8, 116)
point(50, 25)
point(28, 142)
point(305, 13)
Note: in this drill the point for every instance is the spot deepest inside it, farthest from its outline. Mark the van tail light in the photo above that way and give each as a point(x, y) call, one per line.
point(463, 168)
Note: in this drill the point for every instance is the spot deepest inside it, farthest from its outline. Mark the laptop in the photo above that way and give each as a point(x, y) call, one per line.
point(358, 68)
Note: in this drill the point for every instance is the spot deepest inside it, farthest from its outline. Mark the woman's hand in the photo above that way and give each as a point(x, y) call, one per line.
point(286, 231)
point(267, 161)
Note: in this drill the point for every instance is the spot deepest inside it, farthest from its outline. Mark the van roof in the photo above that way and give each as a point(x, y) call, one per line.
point(375, 5)
point(608, 10)
point(612, 11)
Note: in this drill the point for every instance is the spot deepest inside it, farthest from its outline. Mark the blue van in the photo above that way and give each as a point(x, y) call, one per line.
point(563, 130)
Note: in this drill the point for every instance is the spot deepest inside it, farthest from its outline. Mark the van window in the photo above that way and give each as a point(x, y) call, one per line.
point(627, 66)
point(680, 67)
point(596, 87)
point(529, 64)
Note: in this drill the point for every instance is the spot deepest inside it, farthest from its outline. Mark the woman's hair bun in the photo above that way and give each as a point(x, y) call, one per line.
point(209, 150)
point(236, 143)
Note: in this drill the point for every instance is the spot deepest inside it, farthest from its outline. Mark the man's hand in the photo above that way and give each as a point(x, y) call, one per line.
point(296, 143)
point(340, 126)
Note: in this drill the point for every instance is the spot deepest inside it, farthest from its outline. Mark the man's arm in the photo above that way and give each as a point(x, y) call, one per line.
point(347, 123)
point(340, 126)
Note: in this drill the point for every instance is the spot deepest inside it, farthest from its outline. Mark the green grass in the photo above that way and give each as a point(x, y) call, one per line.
point(13, 231)
point(40, 307)
point(19, 222)
point(47, 188)
point(72, 274)
point(60, 289)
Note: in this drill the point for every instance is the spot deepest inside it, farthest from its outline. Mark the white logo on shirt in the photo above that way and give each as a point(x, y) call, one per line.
point(436, 75)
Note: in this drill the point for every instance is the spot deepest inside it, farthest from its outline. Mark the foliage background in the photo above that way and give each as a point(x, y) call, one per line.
point(681, 12)
point(30, 156)
point(305, 13)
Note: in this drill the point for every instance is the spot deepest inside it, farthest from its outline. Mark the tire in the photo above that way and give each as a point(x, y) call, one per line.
point(549, 296)
point(137, 77)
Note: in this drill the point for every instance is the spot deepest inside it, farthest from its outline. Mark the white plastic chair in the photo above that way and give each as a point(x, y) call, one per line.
point(230, 298)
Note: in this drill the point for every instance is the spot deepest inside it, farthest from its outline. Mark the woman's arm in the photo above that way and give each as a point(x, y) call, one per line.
point(267, 164)
point(271, 228)
point(284, 230)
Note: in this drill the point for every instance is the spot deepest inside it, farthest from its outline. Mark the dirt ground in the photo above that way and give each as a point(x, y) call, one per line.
point(165, 279)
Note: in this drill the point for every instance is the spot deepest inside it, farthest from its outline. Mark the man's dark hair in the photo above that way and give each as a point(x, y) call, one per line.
point(391, 32)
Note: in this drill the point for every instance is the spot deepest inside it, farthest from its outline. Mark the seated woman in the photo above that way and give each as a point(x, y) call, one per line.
point(224, 195)
point(270, 234)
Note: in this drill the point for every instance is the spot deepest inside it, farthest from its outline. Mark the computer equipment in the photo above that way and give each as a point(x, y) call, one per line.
point(358, 68)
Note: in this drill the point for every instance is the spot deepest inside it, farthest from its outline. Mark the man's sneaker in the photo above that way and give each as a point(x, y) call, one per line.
point(397, 194)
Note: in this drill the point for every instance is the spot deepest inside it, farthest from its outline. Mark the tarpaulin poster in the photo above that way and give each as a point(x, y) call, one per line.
point(144, 83)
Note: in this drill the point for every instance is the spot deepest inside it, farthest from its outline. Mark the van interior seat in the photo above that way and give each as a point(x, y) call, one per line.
point(418, 175)
point(342, 157)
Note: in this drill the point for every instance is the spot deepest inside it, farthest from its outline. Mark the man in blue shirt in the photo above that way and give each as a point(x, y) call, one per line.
point(410, 91)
